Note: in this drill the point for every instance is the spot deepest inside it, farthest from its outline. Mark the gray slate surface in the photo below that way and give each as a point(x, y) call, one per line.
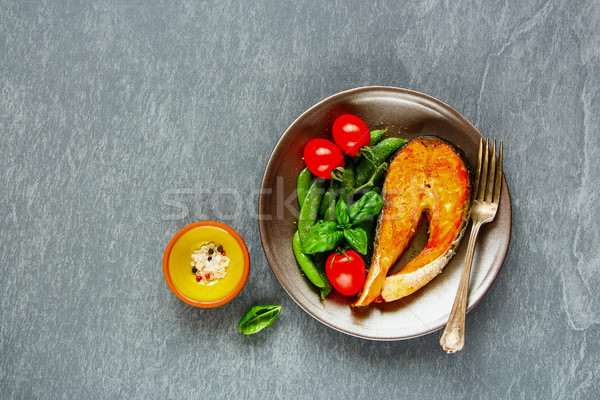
point(118, 116)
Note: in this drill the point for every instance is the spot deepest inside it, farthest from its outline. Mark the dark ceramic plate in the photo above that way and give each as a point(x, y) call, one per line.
point(407, 114)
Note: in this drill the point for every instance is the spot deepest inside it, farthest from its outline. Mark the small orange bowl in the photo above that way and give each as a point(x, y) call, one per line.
point(178, 270)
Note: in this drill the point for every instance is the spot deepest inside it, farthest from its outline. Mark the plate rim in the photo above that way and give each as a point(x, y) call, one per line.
point(269, 166)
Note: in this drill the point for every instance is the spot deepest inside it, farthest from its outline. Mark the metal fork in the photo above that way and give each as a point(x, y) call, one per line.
point(486, 191)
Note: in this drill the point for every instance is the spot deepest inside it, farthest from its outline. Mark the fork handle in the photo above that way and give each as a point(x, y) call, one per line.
point(453, 338)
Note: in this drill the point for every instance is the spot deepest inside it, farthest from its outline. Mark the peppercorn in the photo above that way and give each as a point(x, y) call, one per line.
point(220, 249)
point(194, 270)
point(210, 251)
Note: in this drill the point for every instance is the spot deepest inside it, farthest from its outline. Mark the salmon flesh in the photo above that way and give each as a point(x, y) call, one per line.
point(426, 176)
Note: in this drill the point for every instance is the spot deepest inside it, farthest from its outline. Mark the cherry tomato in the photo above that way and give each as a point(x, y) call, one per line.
point(322, 156)
point(346, 272)
point(350, 133)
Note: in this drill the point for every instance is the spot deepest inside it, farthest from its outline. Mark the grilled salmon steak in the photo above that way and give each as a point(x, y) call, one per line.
point(426, 176)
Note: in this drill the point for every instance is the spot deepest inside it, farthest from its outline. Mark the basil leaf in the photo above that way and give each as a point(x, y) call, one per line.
point(258, 318)
point(322, 237)
point(367, 206)
point(357, 238)
point(341, 212)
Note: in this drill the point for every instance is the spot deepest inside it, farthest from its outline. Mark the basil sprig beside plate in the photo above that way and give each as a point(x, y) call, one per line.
point(258, 318)
point(326, 235)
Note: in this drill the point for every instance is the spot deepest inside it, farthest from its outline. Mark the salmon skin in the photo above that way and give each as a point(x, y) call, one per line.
point(427, 176)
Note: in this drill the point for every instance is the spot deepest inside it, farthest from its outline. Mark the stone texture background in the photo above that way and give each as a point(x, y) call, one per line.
point(118, 117)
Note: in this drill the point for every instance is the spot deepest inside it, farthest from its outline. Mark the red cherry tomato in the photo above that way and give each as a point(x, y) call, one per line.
point(350, 133)
point(346, 272)
point(322, 156)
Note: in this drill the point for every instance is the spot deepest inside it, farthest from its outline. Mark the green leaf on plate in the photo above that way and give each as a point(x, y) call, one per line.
point(341, 212)
point(367, 206)
point(357, 238)
point(323, 236)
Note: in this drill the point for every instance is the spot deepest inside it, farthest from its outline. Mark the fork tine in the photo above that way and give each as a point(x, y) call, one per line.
point(484, 172)
point(498, 182)
point(478, 171)
point(489, 190)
